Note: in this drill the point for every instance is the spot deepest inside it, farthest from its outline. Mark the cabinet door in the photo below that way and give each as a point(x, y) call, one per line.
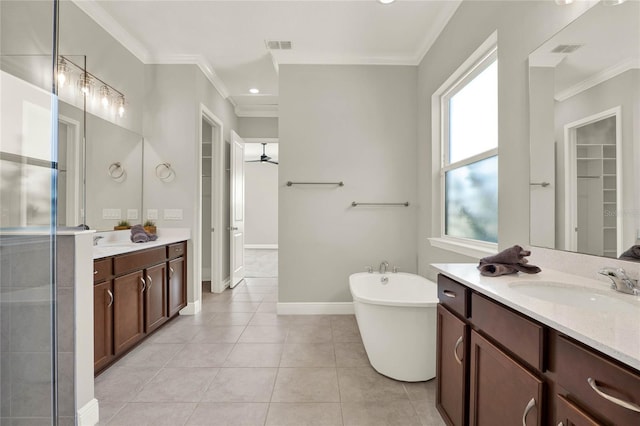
point(177, 286)
point(451, 367)
point(102, 324)
point(155, 297)
point(568, 414)
point(128, 324)
point(502, 392)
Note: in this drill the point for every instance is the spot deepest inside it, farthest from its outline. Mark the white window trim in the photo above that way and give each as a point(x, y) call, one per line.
point(468, 247)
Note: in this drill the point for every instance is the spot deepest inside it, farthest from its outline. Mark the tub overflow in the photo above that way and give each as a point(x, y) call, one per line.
point(384, 279)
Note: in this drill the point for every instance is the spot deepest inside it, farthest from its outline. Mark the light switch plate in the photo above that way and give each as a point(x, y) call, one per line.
point(173, 214)
point(152, 214)
point(132, 214)
point(115, 214)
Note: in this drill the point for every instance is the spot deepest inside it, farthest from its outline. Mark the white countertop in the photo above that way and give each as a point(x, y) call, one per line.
point(119, 242)
point(615, 332)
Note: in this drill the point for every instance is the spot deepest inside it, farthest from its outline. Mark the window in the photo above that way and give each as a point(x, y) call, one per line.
point(466, 126)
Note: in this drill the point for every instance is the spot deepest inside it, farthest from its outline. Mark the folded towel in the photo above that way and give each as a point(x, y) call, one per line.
point(139, 235)
point(633, 253)
point(509, 261)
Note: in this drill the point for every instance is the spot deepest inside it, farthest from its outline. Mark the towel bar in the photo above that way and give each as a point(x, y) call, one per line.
point(289, 183)
point(355, 204)
point(542, 184)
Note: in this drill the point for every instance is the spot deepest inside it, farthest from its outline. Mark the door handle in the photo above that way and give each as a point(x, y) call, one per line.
point(455, 350)
point(234, 228)
point(144, 285)
point(171, 272)
point(111, 296)
point(150, 281)
point(529, 407)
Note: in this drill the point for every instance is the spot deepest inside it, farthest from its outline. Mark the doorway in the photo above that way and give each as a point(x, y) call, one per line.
point(211, 238)
point(594, 184)
point(261, 206)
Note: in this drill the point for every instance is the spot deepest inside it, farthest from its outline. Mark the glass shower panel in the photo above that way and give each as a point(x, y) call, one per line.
point(28, 130)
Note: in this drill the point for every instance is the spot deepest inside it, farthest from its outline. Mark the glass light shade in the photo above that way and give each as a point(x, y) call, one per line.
point(105, 96)
point(612, 2)
point(86, 85)
point(63, 73)
point(563, 2)
point(120, 104)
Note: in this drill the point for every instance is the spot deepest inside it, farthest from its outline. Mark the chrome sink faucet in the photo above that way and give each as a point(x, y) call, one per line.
point(384, 265)
point(620, 281)
point(96, 239)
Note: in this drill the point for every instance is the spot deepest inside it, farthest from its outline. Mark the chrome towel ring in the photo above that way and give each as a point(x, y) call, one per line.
point(165, 172)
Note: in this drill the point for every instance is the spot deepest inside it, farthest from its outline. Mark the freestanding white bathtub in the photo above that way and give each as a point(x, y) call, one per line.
point(397, 321)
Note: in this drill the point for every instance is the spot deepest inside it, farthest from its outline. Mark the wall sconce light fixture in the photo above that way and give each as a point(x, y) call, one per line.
point(86, 85)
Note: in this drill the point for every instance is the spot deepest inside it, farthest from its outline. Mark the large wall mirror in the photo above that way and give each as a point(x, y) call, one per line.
point(584, 95)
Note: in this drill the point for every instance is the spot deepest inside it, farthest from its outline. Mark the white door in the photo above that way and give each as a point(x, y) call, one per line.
point(237, 209)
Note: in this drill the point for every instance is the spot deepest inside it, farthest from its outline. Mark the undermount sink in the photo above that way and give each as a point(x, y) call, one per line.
point(577, 296)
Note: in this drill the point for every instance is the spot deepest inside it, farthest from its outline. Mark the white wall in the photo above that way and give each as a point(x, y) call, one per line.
point(522, 27)
point(355, 124)
point(261, 204)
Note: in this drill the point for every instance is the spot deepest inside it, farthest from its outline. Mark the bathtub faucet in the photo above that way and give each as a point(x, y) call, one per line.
point(383, 267)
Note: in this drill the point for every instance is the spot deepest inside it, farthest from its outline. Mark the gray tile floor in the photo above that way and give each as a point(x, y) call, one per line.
point(261, 262)
point(239, 363)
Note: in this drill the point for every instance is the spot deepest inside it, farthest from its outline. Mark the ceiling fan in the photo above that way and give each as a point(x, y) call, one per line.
point(264, 158)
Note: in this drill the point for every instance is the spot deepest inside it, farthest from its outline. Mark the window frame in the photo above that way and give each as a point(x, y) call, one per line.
point(477, 62)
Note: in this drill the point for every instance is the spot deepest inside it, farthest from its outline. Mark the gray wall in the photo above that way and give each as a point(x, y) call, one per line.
point(171, 122)
point(355, 124)
point(522, 27)
point(257, 127)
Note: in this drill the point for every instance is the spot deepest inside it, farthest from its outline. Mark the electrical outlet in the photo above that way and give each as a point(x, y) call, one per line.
point(115, 214)
point(152, 214)
point(132, 214)
point(173, 214)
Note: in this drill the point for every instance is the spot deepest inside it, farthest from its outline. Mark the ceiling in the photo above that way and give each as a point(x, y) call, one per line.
point(227, 38)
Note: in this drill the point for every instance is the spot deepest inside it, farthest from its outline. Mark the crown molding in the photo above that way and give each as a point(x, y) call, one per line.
point(111, 26)
point(594, 80)
point(445, 14)
point(263, 111)
point(312, 59)
point(547, 60)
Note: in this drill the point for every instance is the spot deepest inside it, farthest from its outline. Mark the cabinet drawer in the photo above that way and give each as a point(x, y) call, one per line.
point(575, 365)
point(176, 250)
point(455, 296)
point(523, 337)
point(101, 270)
point(138, 260)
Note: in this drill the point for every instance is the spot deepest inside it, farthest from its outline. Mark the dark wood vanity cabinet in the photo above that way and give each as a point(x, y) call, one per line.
point(103, 314)
point(496, 366)
point(135, 294)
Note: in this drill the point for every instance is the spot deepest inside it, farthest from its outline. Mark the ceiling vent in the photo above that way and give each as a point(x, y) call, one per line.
point(278, 44)
point(566, 48)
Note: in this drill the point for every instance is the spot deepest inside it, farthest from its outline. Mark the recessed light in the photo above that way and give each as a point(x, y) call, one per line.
point(254, 91)
point(386, 1)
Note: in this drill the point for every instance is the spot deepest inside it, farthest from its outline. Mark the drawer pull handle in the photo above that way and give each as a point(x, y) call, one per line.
point(171, 272)
point(560, 424)
point(455, 350)
point(95, 272)
point(111, 296)
point(144, 285)
point(449, 293)
point(150, 281)
point(628, 405)
point(528, 408)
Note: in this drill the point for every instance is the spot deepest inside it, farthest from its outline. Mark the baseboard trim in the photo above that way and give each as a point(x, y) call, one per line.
point(261, 246)
point(89, 414)
point(192, 308)
point(312, 308)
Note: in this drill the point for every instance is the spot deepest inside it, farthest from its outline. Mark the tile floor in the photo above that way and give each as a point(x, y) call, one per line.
point(238, 363)
point(261, 262)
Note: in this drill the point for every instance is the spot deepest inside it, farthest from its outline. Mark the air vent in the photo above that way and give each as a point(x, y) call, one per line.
point(566, 48)
point(278, 44)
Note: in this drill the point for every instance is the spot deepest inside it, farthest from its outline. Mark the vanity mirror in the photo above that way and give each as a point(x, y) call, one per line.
point(584, 99)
